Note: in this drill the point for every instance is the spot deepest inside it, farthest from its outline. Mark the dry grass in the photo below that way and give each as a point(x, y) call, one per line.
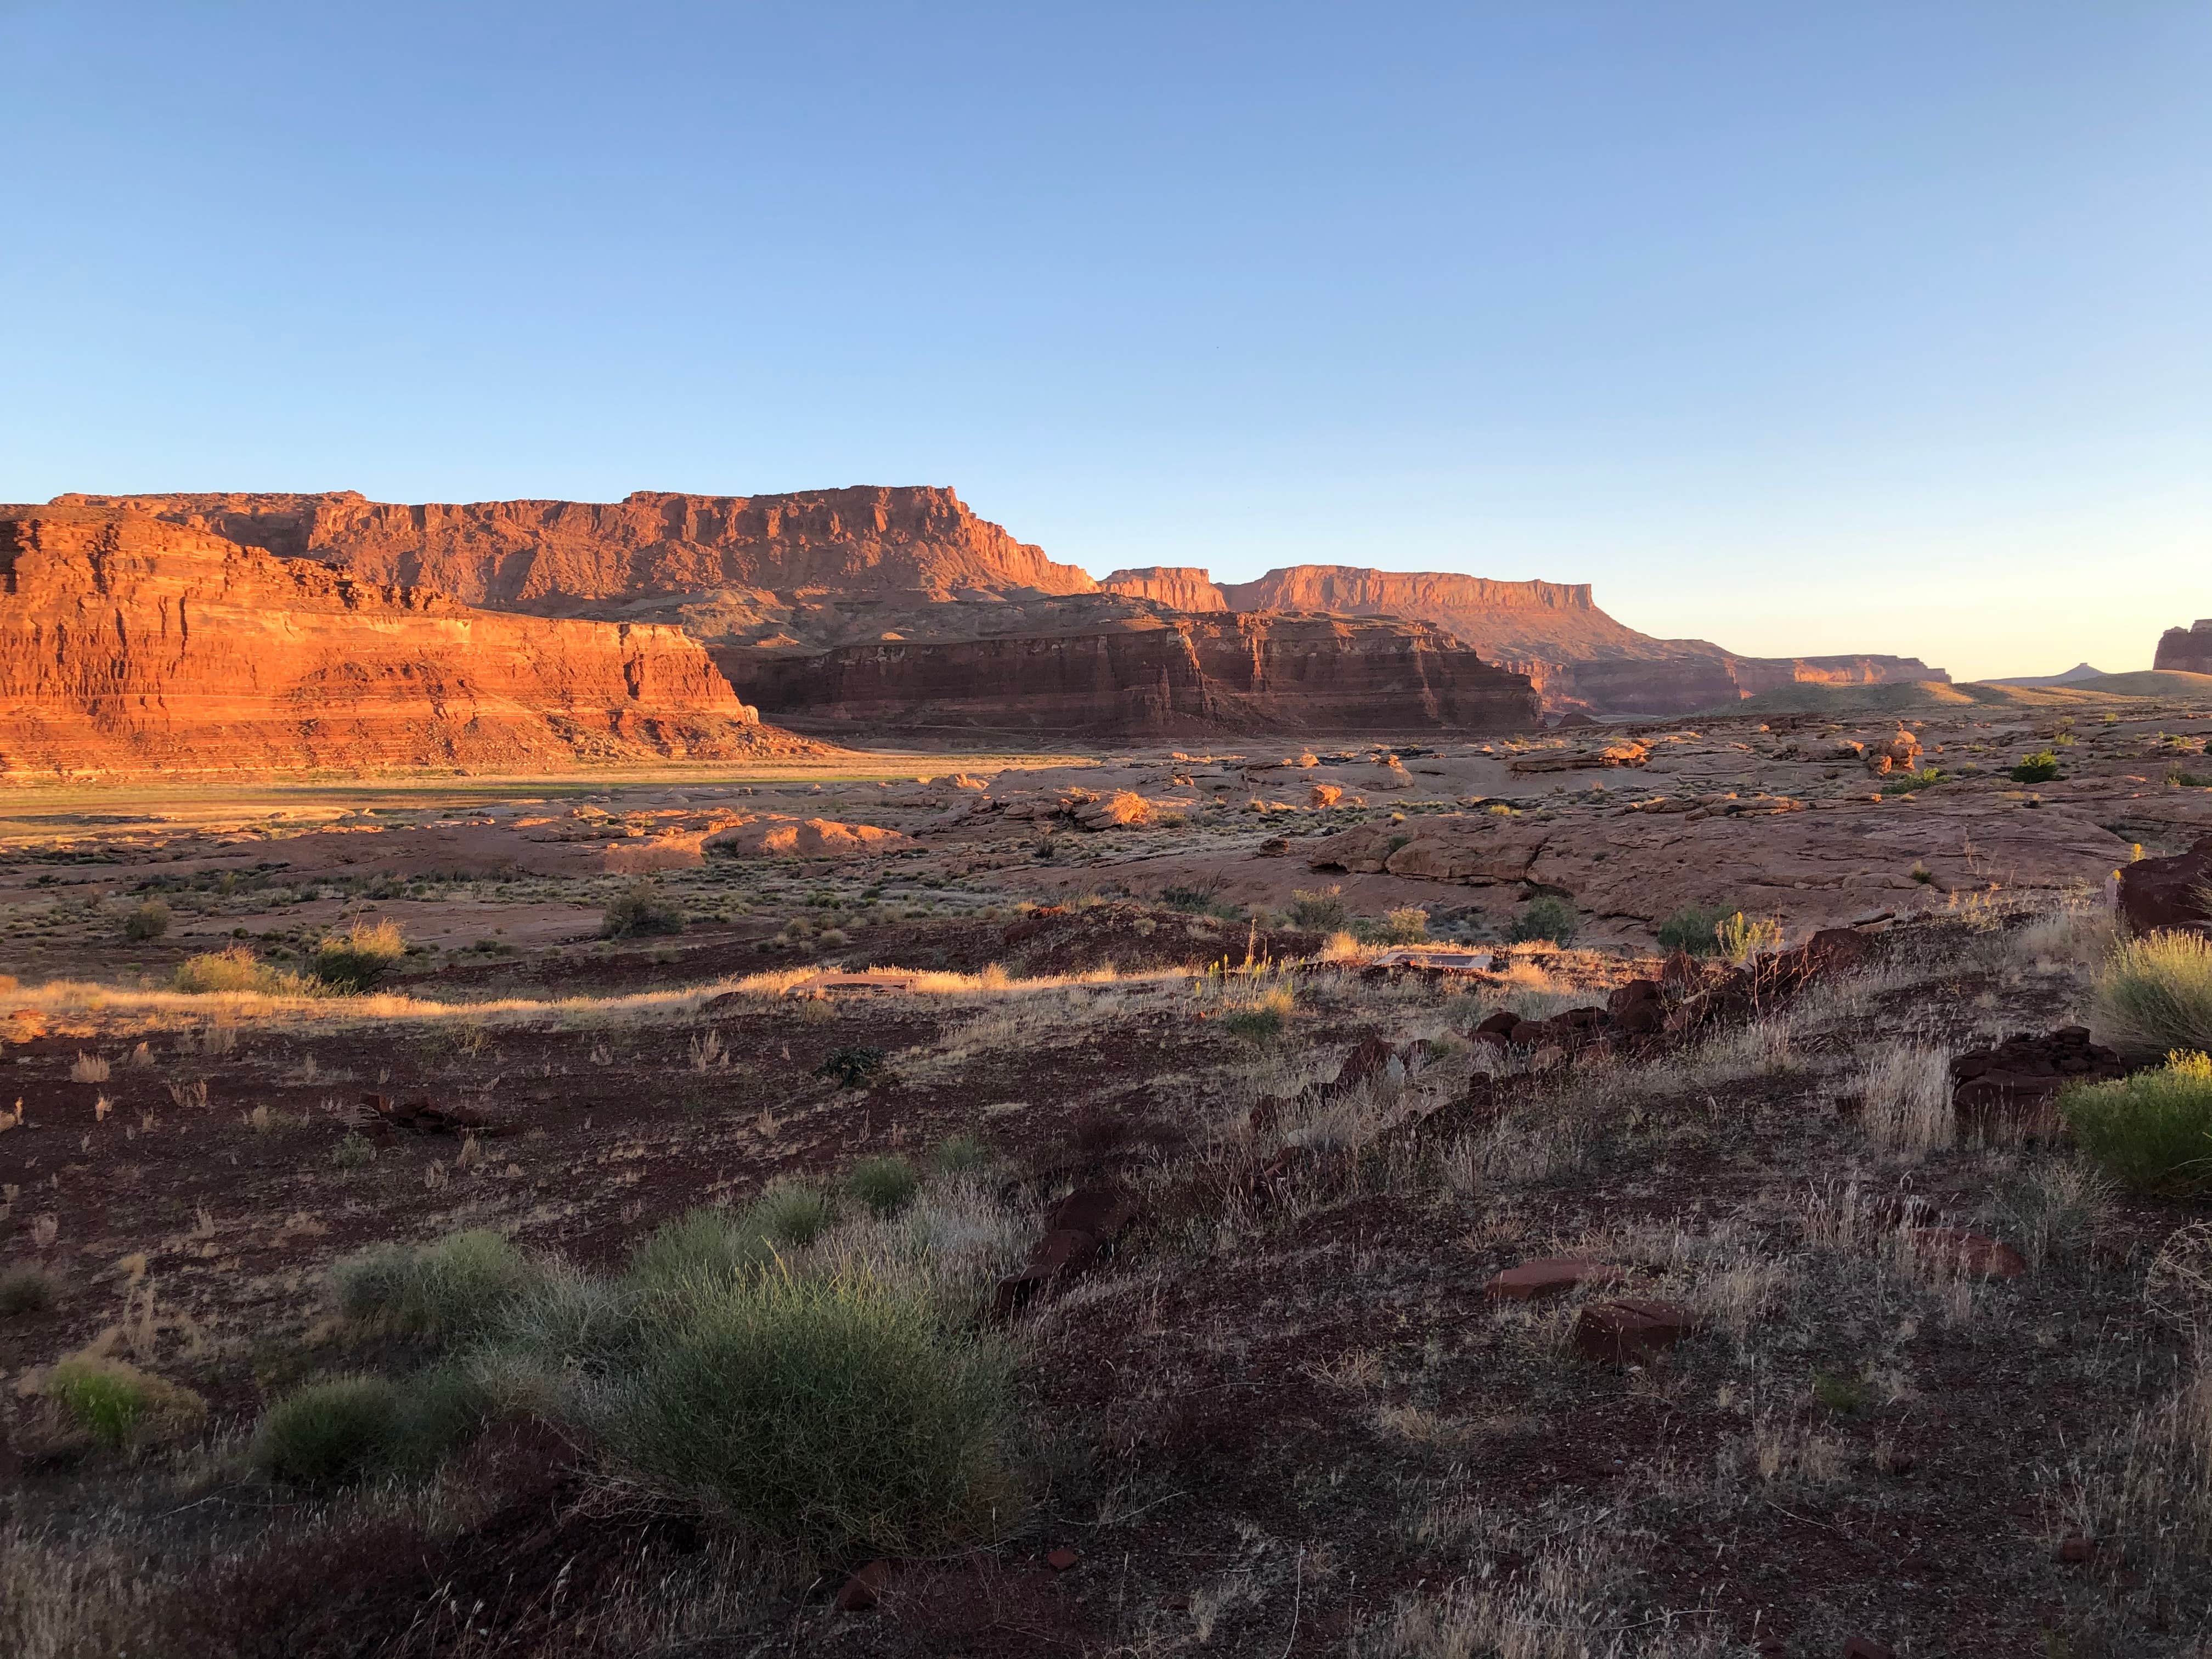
point(1904, 1091)
point(89, 1068)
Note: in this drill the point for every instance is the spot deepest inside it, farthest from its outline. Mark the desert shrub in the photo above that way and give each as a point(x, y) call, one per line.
point(1253, 1024)
point(2151, 1131)
point(150, 921)
point(961, 1155)
point(1547, 916)
point(356, 1152)
point(1406, 925)
point(236, 969)
point(2155, 991)
point(355, 961)
point(1323, 911)
point(25, 1291)
point(2039, 767)
point(640, 908)
point(461, 1284)
point(1740, 938)
point(117, 1404)
point(841, 1412)
point(702, 1243)
point(885, 1184)
point(852, 1065)
point(331, 1432)
point(1694, 928)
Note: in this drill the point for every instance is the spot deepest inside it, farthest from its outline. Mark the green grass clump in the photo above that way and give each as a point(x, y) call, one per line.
point(2151, 1131)
point(640, 908)
point(791, 1214)
point(1694, 928)
point(118, 1405)
point(150, 921)
point(1902, 783)
point(2154, 992)
point(1547, 916)
point(25, 1291)
point(354, 963)
point(2039, 767)
point(961, 1155)
point(462, 1285)
point(329, 1433)
point(885, 1184)
point(236, 969)
point(841, 1412)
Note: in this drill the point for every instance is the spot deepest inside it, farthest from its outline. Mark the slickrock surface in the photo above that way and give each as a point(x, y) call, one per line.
point(1154, 674)
point(128, 645)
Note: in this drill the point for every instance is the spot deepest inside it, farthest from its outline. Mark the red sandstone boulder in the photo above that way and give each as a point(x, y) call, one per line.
point(2169, 892)
point(1628, 1333)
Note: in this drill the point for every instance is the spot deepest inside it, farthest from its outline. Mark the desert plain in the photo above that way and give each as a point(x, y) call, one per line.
point(1518, 1193)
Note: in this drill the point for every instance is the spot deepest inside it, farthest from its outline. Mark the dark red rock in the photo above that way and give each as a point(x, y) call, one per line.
point(1624, 1333)
point(1500, 1023)
point(2155, 893)
point(1865, 1647)
point(1099, 1211)
point(1547, 1276)
point(1970, 1252)
point(862, 1590)
point(1371, 1059)
point(1061, 1560)
point(2016, 1085)
point(2076, 1549)
point(1635, 992)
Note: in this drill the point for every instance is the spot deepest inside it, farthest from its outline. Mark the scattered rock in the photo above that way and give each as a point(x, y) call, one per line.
point(862, 1590)
point(2016, 1085)
point(1061, 1560)
point(1079, 1232)
point(382, 1117)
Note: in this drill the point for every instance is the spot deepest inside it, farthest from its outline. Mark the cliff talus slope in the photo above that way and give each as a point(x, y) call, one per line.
point(131, 645)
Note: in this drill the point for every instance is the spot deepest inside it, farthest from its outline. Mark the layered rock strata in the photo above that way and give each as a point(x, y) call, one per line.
point(544, 555)
point(1157, 672)
point(132, 645)
point(1578, 657)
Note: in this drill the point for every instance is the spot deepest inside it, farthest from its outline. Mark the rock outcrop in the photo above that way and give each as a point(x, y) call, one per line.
point(2187, 650)
point(128, 644)
point(552, 555)
point(1151, 673)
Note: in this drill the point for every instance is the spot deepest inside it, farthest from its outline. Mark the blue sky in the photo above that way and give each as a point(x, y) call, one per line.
point(1800, 327)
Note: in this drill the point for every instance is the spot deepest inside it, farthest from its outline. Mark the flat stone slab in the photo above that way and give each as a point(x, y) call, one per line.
point(1549, 1275)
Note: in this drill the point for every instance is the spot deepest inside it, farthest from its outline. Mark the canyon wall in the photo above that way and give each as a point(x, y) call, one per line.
point(128, 644)
point(2188, 650)
point(1159, 674)
point(550, 555)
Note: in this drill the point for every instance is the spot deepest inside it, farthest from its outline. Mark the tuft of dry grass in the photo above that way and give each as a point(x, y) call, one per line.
point(2154, 993)
point(1904, 1091)
point(89, 1068)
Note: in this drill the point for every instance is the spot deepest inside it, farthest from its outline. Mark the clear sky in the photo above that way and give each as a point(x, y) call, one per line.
point(1800, 326)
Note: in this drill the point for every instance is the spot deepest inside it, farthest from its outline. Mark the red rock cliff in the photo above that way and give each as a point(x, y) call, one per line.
point(128, 644)
point(1160, 674)
point(549, 555)
point(2186, 649)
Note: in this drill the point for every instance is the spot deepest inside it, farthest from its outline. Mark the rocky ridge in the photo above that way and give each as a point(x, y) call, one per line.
point(130, 644)
point(815, 571)
point(2187, 650)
